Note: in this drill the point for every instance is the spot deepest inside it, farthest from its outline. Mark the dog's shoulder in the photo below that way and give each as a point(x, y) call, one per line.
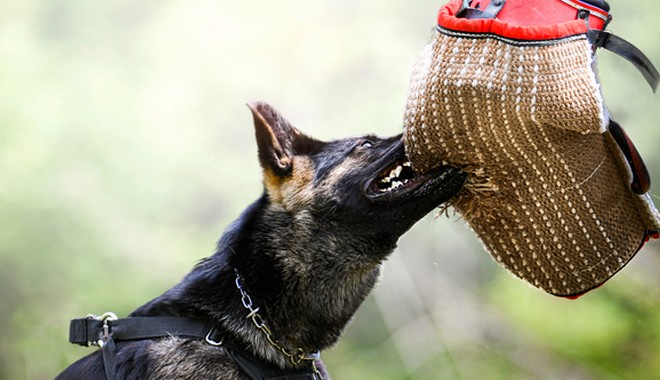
point(89, 367)
point(169, 358)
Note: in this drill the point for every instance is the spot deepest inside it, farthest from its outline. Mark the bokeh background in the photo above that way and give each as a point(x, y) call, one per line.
point(126, 148)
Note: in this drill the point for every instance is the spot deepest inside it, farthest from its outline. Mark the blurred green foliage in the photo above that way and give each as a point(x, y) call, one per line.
point(125, 148)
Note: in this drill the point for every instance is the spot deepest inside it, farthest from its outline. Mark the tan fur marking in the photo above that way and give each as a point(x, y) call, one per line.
point(295, 191)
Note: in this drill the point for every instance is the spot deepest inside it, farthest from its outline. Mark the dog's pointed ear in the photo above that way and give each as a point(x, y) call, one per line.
point(277, 140)
point(275, 137)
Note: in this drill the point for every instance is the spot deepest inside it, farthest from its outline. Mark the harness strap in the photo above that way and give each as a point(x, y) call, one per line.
point(109, 363)
point(88, 331)
point(104, 332)
point(261, 371)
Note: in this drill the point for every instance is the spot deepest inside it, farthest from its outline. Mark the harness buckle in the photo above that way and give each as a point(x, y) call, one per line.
point(210, 340)
point(105, 334)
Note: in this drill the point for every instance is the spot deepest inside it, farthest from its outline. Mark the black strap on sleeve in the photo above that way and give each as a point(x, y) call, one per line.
point(641, 179)
point(628, 51)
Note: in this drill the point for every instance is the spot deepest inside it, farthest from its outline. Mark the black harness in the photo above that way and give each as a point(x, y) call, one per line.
point(107, 329)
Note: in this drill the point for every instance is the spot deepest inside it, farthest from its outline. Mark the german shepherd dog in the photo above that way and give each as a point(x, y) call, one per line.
point(289, 274)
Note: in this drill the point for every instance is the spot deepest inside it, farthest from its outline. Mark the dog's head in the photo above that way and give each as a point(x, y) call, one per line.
point(310, 248)
point(366, 184)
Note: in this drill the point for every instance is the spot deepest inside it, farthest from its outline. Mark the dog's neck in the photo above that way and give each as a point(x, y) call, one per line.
point(307, 286)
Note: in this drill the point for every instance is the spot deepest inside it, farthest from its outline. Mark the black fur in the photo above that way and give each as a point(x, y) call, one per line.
point(309, 251)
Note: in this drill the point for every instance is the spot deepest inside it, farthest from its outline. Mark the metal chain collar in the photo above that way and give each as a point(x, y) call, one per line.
point(295, 356)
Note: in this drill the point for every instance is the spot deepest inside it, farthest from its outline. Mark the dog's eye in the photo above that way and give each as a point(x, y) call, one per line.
point(366, 144)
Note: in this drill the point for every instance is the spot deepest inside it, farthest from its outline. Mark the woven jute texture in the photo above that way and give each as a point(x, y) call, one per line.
point(548, 191)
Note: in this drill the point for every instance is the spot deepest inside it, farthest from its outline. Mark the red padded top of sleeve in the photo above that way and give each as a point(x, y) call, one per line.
point(526, 20)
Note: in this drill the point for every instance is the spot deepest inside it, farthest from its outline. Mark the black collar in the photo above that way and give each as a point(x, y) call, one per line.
point(105, 330)
point(258, 369)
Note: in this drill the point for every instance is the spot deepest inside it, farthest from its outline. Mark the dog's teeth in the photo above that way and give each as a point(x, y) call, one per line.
point(393, 179)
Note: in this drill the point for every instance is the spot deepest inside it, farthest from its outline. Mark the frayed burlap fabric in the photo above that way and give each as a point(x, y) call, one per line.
point(549, 190)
